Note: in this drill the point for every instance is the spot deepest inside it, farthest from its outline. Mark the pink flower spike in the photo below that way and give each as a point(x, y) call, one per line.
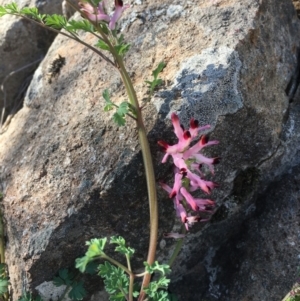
point(203, 142)
point(92, 13)
point(177, 127)
point(173, 235)
point(166, 187)
point(208, 161)
point(205, 205)
point(189, 199)
point(177, 185)
point(119, 8)
point(165, 158)
point(181, 212)
point(179, 162)
point(206, 186)
point(195, 129)
point(191, 220)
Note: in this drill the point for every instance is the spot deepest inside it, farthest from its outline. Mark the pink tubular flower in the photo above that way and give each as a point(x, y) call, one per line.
point(119, 8)
point(204, 205)
point(188, 174)
point(98, 14)
point(173, 235)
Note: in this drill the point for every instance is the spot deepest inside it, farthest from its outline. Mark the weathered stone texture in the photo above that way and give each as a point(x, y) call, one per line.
point(22, 46)
point(70, 175)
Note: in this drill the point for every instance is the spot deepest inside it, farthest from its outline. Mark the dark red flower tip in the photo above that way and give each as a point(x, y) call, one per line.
point(174, 117)
point(203, 139)
point(118, 3)
point(198, 218)
point(182, 127)
point(172, 194)
point(163, 144)
point(186, 135)
point(194, 123)
point(183, 172)
point(216, 160)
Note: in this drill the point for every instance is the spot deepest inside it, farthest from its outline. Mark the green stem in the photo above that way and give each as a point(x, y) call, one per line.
point(178, 247)
point(131, 282)
point(147, 159)
point(287, 297)
point(117, 263)
point(149, 171)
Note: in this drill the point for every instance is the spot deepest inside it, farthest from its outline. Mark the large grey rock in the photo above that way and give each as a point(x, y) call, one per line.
point(70, 175)
point(22, 46)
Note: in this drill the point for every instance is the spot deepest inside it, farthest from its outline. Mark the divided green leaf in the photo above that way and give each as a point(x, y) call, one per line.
point(64, 278)
point(95, 250)
point(33, 13)
point(56, 21)
point(115, 280)
point(119, 119)
point(122, 49)
point(121, 248)
point(11, 8)
point(108, 103)
point(159, 69)
point(85, 25)
point(2, 11)
point(92, 268)
point(123, 108)
point(156, 267)
point(102, 45)
point(156, 81)
point(77, 292)
point(161, 295)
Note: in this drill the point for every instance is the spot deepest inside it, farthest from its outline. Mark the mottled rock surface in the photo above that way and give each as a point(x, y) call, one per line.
point(22, 46)
point(69, 174)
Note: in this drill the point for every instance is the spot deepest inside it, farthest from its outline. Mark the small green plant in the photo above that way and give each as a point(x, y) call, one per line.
point(156, 80)
point(74, 288)
point(118, 278)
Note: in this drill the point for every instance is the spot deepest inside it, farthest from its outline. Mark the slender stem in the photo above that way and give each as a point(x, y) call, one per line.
point(124, 293)
point(117, 263)
point(287, 297)
point(131, 282)
point(149, 171)
point(178, 247)
point(128, 263)
point(147, 159)
point(140, 275)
